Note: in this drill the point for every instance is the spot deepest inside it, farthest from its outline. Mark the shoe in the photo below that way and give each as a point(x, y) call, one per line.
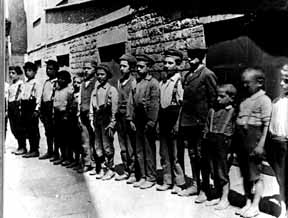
point(59, 161)
point(122, 177)
point(66, 163)
point(201, 198)
point(53, 158)
point(163, 187)
point(108, 175)
point(31, 154)
point(147, 184)
point(131, 180)
point(140, 182)
point(93, 172)
point(100, 174)
point(13, 152)
point(21, 151)
point(77, 167)
point(192, 190)
point(45, 156)
point(212, 202)
point(176, 189)
point(84, 169)
point(72, 164)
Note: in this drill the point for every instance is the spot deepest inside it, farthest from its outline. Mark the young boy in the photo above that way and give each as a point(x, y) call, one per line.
point(30, 102)
point(86, 88)
point(62, 106)
point(14, 115)
point(171, 96)
point(143, 110)
point(278, 138)
point(126, 135)
point(103, 108)
point(251, 130)
point(218, 131)
point(46, 110)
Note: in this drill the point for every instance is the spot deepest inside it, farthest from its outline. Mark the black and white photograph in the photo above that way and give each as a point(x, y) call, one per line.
point(144, 109)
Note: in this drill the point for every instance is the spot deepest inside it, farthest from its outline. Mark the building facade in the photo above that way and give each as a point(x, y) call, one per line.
point(71, 30)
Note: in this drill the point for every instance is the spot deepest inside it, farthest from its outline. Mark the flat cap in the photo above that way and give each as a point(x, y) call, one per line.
point(53, 63)
point(30, 65)
point(128, 57)
point(196, 45)
point(145, 57)
point(173, 52)
point(106, 67)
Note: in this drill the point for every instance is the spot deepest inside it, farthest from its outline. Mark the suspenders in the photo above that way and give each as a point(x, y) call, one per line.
point(228, 117)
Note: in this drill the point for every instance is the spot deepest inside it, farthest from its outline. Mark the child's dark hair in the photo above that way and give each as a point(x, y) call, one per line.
point(259, 75)
point(229, 90)
point(17, 69)
point(63, 74)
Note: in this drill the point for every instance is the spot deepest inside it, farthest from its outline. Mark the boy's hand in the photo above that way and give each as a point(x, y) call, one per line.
point(109, 131)
point(132, 125)
point(175, 130)
point(259, 149)
point(92, 125)
point(149, 125)
point(35, 114)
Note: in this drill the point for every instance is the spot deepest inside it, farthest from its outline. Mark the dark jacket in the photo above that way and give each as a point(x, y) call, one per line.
point(200, 93)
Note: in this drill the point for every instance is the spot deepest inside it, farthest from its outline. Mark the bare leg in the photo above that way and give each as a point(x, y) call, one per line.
point(223, 203)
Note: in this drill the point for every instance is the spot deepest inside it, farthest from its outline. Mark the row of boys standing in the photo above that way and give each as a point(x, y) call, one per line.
point(180, 106)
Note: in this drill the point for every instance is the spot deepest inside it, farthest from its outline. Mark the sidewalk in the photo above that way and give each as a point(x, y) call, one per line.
point(38, 189)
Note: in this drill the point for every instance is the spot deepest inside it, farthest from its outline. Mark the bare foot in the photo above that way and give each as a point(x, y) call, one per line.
point(251, 212)
point(243, 209)
point(223, 204)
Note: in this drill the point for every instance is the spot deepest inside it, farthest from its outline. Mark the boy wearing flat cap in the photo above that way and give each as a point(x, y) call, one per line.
point(126, 135)
point(30, 102)
point(171, 96)
point(143, 110)
point(46, 110)
point(200, 93)
point(103, 108)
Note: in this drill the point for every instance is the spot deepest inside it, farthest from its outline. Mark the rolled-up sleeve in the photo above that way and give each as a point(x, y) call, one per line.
point(114, 105)
point(266, 110)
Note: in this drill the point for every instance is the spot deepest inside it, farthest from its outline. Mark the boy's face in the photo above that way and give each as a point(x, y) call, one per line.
point(30, 74)
point(142, 68)
point(62, 82)
point(13, 75)
point(50, 71)
point(170, 65)
point(89, 70)
point(124, 67)
point(102, 76)
point(284, 81)
point(249, 82)
point(223, 98)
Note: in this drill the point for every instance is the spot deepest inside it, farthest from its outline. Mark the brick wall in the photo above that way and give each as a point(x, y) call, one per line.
point(152, 34)
point(145, 31)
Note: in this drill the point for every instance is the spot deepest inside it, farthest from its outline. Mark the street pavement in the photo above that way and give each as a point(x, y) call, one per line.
point(38, 189)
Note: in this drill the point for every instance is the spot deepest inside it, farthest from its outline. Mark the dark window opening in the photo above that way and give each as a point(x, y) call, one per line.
point(63, 60)
point(111, 54)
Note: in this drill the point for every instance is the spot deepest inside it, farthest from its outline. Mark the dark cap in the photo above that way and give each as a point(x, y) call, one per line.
point(63, 74)
point(53, 63)
point(128, 57)
point(173, 52)
point(30, 65)
point(106, 67)
point(196, 49)
point(146, 58)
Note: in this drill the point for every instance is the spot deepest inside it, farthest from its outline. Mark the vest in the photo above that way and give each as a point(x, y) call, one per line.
point(86, 95)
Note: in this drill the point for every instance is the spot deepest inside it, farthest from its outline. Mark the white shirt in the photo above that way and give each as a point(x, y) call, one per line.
point(13, 89)
point(167, 88)
point(31, 89)
point(279, 118)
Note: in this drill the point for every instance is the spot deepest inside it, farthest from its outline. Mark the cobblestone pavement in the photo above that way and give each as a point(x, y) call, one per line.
point(38, 189)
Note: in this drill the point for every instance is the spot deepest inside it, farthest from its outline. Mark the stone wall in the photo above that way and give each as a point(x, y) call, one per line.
point(144, 31)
